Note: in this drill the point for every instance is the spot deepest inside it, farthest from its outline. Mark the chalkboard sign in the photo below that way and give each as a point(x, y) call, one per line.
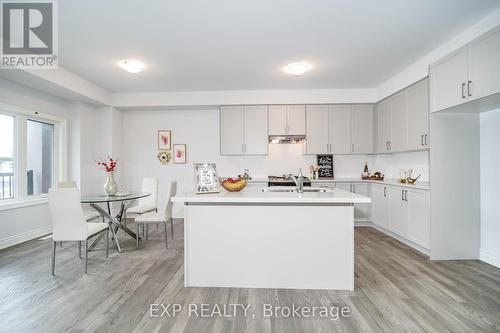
point(325, 164)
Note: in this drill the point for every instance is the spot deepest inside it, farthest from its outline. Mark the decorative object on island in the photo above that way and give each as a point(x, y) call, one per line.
point(313, 171)
point(164, 140)
point(325, 166)
point(234, 185)
point(179, 153)
point(163, 156)
point(206, 180)
point(109, 165)
point(405, 177)
point(246, 175)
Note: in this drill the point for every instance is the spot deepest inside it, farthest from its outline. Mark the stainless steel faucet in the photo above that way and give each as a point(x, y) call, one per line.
point(299, 181)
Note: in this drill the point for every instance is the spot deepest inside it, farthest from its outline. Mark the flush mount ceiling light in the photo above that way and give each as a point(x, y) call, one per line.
point(132, 66)
point(297, 68)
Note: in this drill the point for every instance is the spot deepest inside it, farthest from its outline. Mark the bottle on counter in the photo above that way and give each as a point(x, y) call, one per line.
point(366, 173)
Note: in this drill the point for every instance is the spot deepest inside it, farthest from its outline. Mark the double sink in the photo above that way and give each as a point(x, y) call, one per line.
point(293, 189)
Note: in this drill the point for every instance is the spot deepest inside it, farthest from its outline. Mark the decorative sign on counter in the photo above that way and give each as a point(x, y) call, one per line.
point(206, 179)
point(325, 165)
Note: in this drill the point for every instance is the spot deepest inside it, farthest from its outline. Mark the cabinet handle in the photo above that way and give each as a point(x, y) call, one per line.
point(385, 189)
point(426, 139)
point(402, 195)
point(387, 145)
point(422, 140)
point(463, 87)
point(468, 88)
point(390, 148)
point(406, 196)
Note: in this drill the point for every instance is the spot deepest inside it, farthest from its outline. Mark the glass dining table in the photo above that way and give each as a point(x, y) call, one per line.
point(115, 222)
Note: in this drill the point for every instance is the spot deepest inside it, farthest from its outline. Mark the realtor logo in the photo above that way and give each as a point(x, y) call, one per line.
point(29, 34)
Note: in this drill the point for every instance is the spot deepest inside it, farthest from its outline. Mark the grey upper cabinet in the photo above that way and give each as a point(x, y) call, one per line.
point(243, 130)
point(418, 115)
point(470, 73)
point(399, 122)
point(448, 79)
point(403, 120)
point(317, 129)
point(339, 129)
point(287, 120)
point(484, 65)
point(232, 130)
point(362, 129)
point(384, 125)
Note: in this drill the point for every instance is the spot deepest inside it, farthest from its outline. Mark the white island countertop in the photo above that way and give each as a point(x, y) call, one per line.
point(254, 194)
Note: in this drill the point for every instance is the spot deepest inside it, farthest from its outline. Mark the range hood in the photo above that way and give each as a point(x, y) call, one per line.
point(286, 139)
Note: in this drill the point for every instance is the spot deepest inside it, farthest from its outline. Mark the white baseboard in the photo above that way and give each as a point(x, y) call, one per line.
point(489, 258)
point(402, 240)
point(24, 237)
point(362, 223)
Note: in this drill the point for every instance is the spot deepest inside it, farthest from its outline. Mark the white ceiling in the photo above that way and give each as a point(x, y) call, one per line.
point(242, 45)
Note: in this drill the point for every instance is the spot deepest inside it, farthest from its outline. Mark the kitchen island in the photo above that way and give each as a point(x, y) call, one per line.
point(269, 239)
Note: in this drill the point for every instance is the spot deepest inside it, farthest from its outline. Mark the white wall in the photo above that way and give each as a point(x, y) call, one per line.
point(490, 185)
point(21, 224)
point(199, 129)
point(393, 164)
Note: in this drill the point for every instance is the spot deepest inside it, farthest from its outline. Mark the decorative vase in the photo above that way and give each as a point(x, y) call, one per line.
point(111, 187)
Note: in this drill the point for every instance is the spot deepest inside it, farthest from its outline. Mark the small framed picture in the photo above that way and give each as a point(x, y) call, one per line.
point(179, 153)
point(206, 179)
point(164, 140)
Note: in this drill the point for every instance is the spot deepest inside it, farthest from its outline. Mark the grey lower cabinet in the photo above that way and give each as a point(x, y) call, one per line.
point(404, 212)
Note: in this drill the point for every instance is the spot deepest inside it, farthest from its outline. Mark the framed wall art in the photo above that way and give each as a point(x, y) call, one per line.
point(179, 153)
point(164, 140)
point(206, 179)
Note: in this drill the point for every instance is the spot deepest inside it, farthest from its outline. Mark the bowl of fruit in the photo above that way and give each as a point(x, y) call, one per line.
point(234, 184)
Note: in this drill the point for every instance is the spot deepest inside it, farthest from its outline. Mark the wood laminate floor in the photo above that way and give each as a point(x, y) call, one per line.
point(396, 290)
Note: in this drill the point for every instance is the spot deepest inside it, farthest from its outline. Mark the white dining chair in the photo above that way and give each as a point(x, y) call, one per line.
point(147, 204)
point(69, 224)
point(162, 217)
point(89, 214)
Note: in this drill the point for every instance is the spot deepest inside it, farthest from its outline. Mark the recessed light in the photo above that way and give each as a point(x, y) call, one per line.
point(297, 68)
point(132, 66)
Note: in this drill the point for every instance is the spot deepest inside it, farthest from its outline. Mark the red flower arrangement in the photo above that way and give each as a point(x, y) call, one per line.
point(107, 164)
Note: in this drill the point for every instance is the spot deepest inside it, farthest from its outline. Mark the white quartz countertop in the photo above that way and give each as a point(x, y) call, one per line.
point(320, 182)
point(254, 194)
point(391, 182)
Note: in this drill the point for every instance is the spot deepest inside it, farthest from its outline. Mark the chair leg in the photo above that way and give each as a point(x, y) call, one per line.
point(53, 266)
point(79, 249)
point(166, 236)
point(107, 242)
point(86, 254)
point(147, 231)
point(172, 227)
point(137, 236)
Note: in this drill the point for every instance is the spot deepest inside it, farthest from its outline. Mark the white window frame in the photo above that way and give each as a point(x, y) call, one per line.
point(21, 116)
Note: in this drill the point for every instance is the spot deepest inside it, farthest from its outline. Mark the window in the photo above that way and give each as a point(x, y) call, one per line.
point(40, 157)
point(6, 156)
point(32, 155)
